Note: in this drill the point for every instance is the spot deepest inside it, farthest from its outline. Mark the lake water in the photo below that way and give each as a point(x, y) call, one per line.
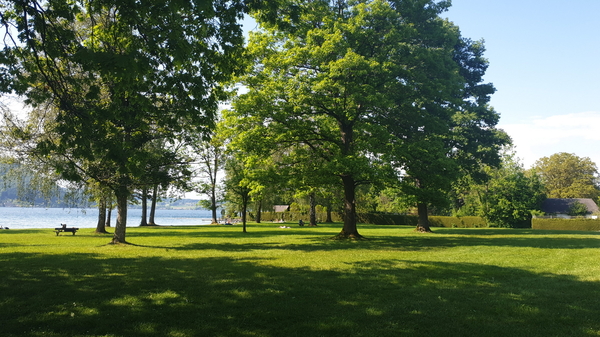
point(29, 217)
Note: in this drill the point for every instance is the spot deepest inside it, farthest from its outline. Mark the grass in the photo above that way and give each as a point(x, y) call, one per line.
point(217, 281)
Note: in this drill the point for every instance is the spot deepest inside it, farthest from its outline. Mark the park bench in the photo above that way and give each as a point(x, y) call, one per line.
point(63, 228)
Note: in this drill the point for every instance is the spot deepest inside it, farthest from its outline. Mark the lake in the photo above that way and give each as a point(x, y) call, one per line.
point(33, 217)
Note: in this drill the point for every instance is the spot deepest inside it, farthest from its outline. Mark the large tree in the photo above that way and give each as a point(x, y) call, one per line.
point(120, 74)
point(337, 77)
point(565, 175)
point(449, 136)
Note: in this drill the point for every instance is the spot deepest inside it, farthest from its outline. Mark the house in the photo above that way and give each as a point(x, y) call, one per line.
point(281, 208)
point(560, 207)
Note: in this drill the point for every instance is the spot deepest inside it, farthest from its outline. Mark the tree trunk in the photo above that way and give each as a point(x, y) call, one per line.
point(144, 221)
point(101, 226)
point(350, 230)
point(213, 205)
point(258, 210)
point(328, 212)
point(108, 214)
point(151, 221)
point(244, 210)
point(122, 194)
point(423, 222)
point(313, 209)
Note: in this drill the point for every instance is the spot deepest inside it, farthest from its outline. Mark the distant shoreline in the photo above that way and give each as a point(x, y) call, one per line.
point(183, 204)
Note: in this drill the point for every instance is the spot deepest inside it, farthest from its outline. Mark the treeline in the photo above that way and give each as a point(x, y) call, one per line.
point(507, 195)
point(345, 104)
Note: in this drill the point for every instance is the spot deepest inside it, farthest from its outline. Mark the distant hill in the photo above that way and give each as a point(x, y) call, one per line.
point(174, 204)
point(10, 198)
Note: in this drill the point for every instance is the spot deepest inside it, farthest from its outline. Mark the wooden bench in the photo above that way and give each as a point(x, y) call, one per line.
point(63, 228)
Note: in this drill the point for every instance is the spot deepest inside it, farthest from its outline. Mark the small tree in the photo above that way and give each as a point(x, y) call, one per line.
point(576, 208)
point(507, 197)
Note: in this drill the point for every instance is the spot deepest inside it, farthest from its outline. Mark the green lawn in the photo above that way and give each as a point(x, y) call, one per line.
point(217, 281)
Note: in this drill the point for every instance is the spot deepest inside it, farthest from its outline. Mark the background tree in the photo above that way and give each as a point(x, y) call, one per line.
point(238, 186)
point(507, 197)
point(577, 209)
point(210, 157)
point(34, 178)
point(566, 175)
point(449, 135)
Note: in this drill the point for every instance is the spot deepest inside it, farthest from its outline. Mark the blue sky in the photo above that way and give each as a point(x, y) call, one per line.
point(544, 64)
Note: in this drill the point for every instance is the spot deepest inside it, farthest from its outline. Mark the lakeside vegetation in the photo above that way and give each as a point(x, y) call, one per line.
point(271, 281)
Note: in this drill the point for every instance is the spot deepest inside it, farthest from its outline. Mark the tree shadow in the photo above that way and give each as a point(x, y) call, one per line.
point(504, 231)
point(318, 239)
point(80, 294)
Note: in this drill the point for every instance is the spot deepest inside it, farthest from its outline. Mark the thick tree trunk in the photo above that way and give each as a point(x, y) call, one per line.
point(313, 209)
point(151, 221)
point(423, 222)
point(350, 231)
point(144, 221)
point(101, 226)
point(122, 195)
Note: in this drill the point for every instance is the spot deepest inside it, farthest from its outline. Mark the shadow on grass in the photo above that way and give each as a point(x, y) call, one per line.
point(221, 231)
point(425, 242)
point(78, 294)
point(21, 231)
point(318, 238)
point(506, 231)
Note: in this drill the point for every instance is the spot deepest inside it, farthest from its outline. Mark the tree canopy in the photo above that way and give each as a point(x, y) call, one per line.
point(565, 175)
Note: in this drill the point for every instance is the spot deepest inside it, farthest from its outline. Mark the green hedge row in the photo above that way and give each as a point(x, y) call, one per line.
point(294, 216)
point(457, 222)
point(381, 219)
point(566, 224)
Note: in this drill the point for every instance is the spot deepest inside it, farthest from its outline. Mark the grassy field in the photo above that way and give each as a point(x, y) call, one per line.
point(217, 281)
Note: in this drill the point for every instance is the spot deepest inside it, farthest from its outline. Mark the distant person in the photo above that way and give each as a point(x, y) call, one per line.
point(301, 223)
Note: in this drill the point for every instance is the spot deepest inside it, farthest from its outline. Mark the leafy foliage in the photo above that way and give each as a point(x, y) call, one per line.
point(119, 75)
point(362, 90)
point(577, 209)
point(566, 175)
point(507, 197)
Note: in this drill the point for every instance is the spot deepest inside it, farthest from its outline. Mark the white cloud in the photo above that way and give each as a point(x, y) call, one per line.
point(577, 133)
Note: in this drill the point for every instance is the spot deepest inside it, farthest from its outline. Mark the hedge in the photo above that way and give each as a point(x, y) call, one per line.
point(457, 222)
point(295, 216)
point(566, 224)
point(381, 219)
